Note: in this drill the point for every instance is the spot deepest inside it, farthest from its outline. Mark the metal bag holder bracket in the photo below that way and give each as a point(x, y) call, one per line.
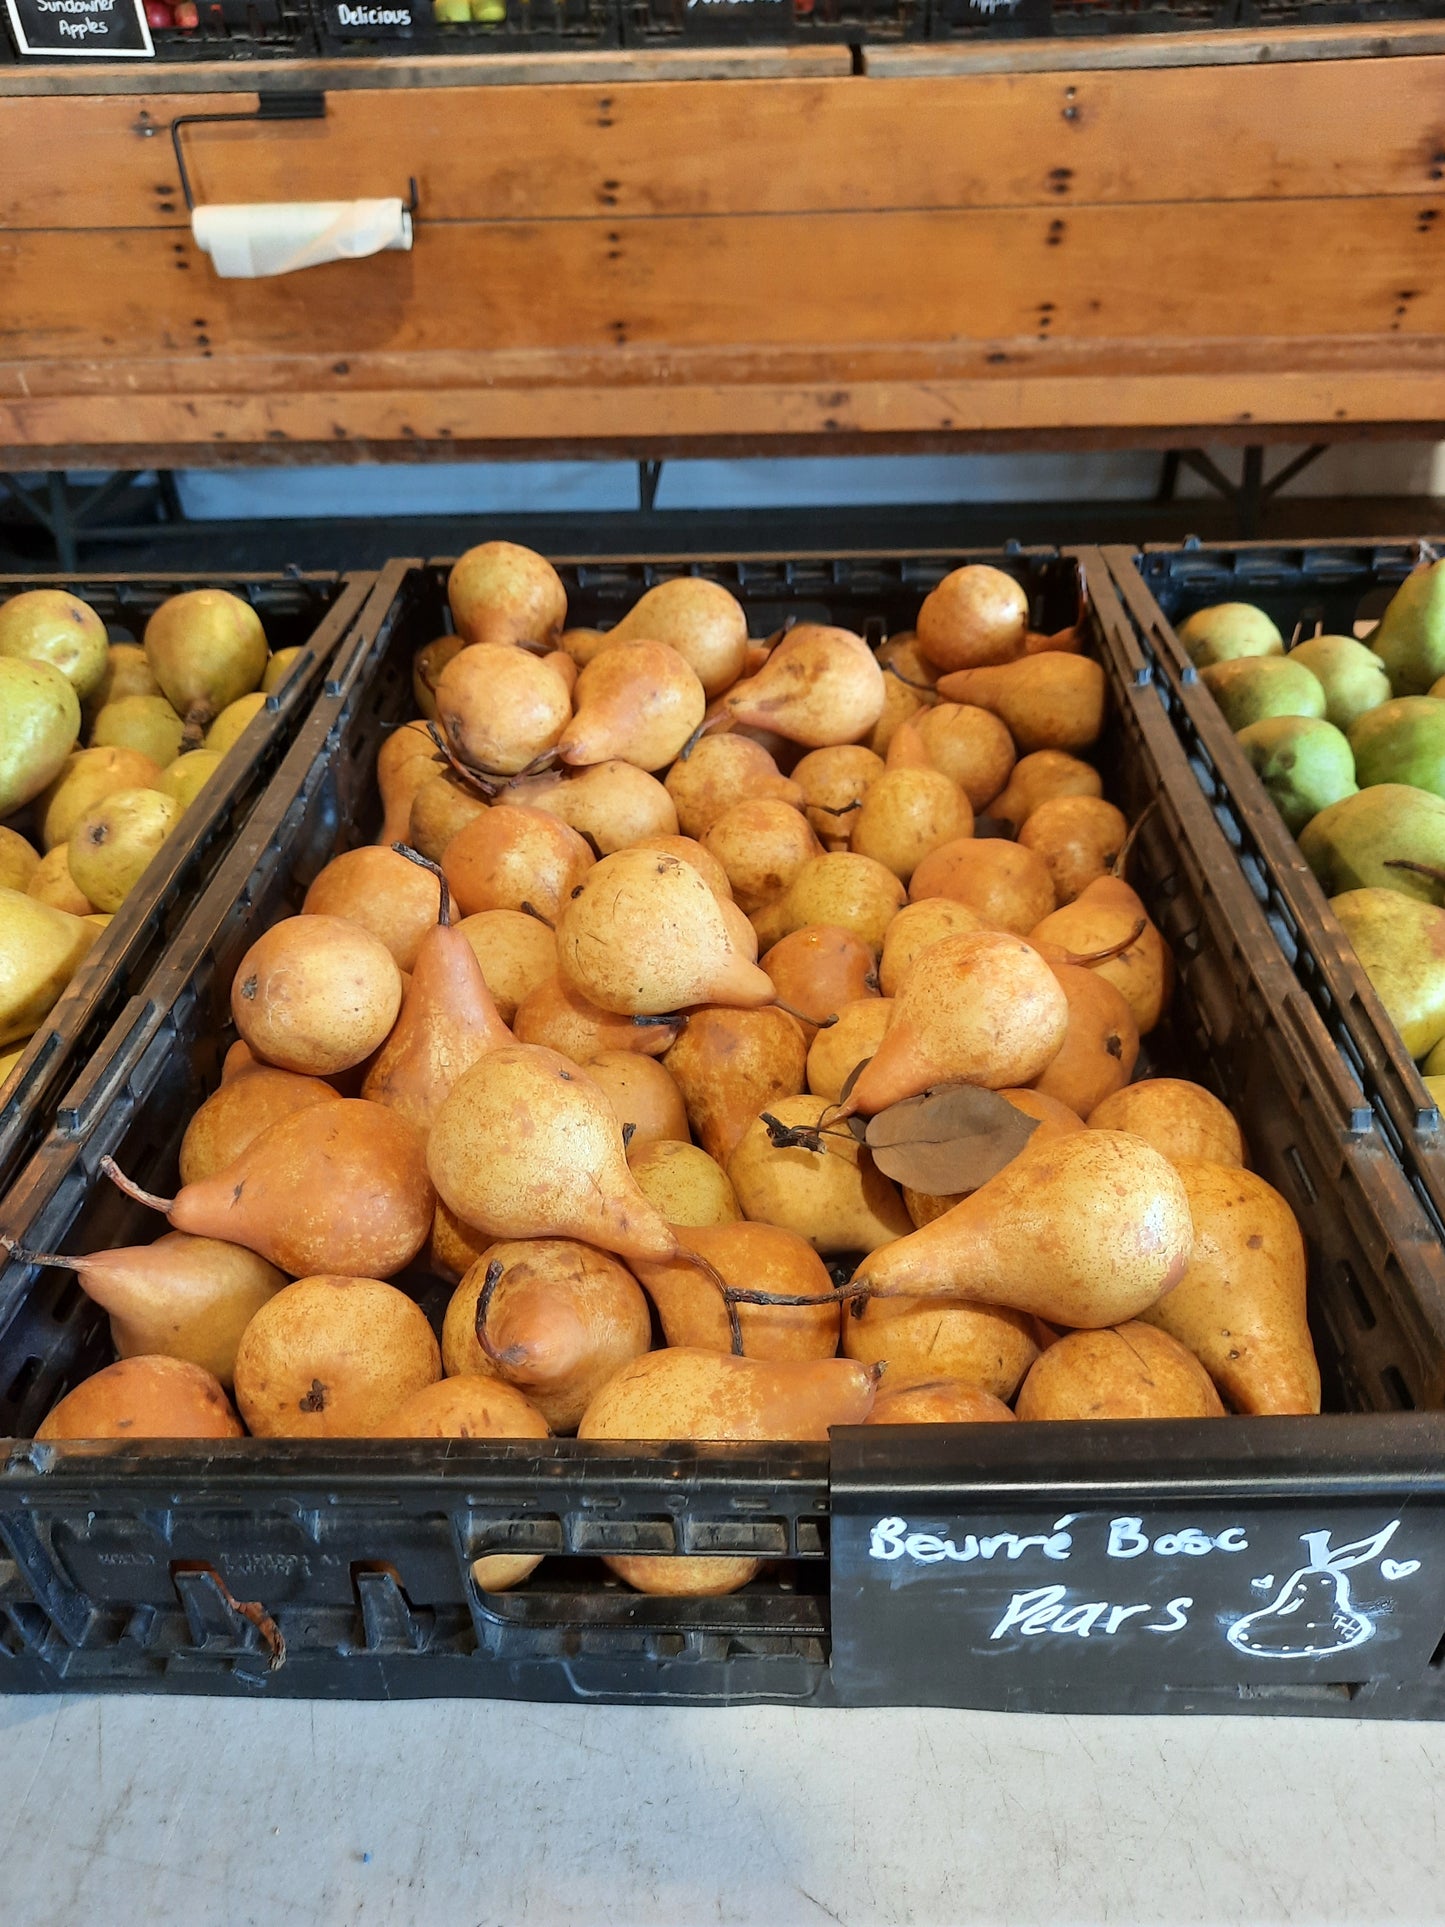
point(297, 106)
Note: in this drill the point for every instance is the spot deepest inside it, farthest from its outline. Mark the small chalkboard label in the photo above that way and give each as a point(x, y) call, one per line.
point(1015, 17)
point(81, 29)
point(978, 1598)
point(368, 19)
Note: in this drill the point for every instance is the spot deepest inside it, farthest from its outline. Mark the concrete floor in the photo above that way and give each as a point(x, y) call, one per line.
point(152, 1811)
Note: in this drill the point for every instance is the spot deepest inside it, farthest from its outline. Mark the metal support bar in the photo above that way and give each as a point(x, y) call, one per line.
point(649, 474)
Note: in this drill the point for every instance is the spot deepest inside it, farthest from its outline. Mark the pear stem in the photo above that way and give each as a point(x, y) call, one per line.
point(444, 908)
point(131, 1189)
point(1126, 848)
point(39, 1257)
point(661, 1019)
point(928, 688)
point(840, 809)
point(1435, 873)
point(818, 1023)
point(707, 724)
point(531, 910)
point(1086, 959)
point(514, 1354)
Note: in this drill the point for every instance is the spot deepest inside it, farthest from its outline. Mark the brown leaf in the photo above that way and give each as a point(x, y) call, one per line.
point(949, 1140)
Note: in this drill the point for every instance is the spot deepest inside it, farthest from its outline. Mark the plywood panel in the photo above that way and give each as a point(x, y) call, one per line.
point(1173, 274)
point(1299, 130)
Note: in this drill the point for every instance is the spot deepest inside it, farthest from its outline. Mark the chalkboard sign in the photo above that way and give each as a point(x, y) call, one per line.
point(1008, 1587)
point(81, 29)
point(391, 19)
point(994, 18)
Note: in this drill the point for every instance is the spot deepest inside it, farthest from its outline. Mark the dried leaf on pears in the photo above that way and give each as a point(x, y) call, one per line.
point(949, 1140)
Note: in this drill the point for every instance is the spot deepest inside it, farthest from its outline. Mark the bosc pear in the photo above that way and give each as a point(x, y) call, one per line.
point(701, 620)
point(501, 709)
point(1108, 916)
point(719, 771)
point(642, 934)
point(235, 1115)
point(1100, 1047)
point(819, 687)
point(833, 1195)
point(764, 1259)
point(500, 592)
point(1085, 1230)
point(1240, 1307)
point(527, 1146)
point(1048, 701)
point(982, 1008)
point(637, 702)
point(731, 1064)
point(1131, 1371)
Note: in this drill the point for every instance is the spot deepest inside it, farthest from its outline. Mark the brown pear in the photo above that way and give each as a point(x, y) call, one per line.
point(1049, 701)
point(901, 705)
point(1036, 778)
point(583, 644)
point(1107, 914)
point(687, 1186)
point(527, 1146)
point(700, 619)
point(976, 615)
point(453, 1247)
point(985, 1346)
point(1006, 885)
point(702, 860)
point(1180, 1119)
point(566, 668)
point(638, 702)
point(343, 1182)
point(976, 1009)
point(144, 1398)
point(407, 759)
point(761, 844)
point(19, 860)
point(502, 593)
point(316, 994)
point(759, 1258)
point(967, 744)
point(691, 1394)
point(820, 686)
point(554, 1318)
point(393, 898)
point(1100, 1047)
point(52, 883)
point(644, 1095)
point(1132, 1371)
point(1085, 1230)
point(426, 666)
point(1078, 837)
point(901, 656)
point(834, 1196)
point(834, 783)
point(330, 1356)
point(515, 859)
point(906, 814)
point(836, 1053)
point(447, 1020)
point(925, 1400)
point(643, 935)
point(1053, 1119)
point(731, 1064)
point(180, 1297)
point(614, 804)
point(500, 708)
point(916, 926)
point(559, 1018)
point(443, 806)
point(719, 771)
point(855, 893)
point(235, 1115)
point(820, 970)
point(516, 953)
point(1240, 1307)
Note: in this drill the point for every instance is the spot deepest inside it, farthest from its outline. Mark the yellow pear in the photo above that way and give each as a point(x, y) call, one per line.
point(834, 1196)
point(40, 951)
point(638, 703)
point(834, 782)
point(700, 619)
point(818, 687)
point(1048, 701)
point(719, 771)
point(843, 889)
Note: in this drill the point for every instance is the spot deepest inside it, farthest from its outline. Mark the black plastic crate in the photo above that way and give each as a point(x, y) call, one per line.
point(124, 1566)
point(296, 609)
point(1330, 583)
point(1070, 19)
point(681, 23)
point(397, 27)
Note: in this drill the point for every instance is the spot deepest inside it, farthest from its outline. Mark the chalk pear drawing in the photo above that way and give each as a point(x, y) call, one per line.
point(1312, 1614)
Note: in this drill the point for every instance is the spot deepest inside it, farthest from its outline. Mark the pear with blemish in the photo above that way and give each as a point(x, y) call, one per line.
point(514, 858)
point(330, 1356)
point(500, 592)
point(1006, 885)
point(1240, 1307)
point(731, 1064)
point(986, 1346)
point(1100, 1047)
point(54, 627)
point(834, 782)
point(701, 620)
point(719, 771)
point(834, 1196)
point(761, 844)
point(638, 703)
point(1048, 701)
point(316, 994)
point(820, 686)
point(500, 708)
point(642, 934)
point(842, 888)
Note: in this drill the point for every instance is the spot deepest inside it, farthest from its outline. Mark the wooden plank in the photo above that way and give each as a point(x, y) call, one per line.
point(1160, 273)
point(1028, 140)
point(1248, 46)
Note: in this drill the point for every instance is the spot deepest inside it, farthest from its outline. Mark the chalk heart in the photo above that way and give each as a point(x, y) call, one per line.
point(1399, 1568)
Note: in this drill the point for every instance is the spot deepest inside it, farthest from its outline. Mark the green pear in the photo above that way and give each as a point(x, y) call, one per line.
point(1249, 688)
point(1401, 947)
point(1410, 640)
point(18, 861)
point(126, 673)
point(205, 649)
point(1388, 837)
point(1402, 741)
point(50, 625)
point(233, 720)
point(187, 776)
point(1304, 763)
point(112, 844)
point(41, 714)
point(1434, 1064)
point(146, 723)
point(1352, 676)
point(280, 665)
point(39, 950)
point(1227, 632)
point(87, 776)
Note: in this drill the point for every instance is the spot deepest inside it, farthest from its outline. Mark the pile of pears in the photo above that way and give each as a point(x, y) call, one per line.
point(746, 1032)
point(1348, 737)
point(104, 747)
